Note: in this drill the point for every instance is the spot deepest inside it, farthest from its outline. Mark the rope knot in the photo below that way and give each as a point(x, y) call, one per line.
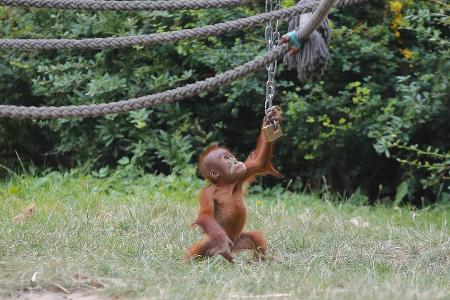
point(294, 42)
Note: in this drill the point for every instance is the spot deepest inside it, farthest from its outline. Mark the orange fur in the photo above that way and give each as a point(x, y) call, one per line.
point(201, 165)
point(223, 213)
point(201, 159)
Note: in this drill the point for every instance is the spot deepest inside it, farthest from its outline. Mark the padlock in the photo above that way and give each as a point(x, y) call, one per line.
point(272, 131)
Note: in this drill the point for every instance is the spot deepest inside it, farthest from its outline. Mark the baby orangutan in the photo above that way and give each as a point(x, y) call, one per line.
point(223, 213)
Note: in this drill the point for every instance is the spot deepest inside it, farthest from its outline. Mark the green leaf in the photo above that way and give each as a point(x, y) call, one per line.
point(123, 161)
point(402, 191)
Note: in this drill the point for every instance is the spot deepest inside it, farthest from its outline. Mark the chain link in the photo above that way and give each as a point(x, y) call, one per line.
point(272, 36)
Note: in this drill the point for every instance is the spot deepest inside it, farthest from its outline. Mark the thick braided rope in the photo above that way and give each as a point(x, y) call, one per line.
point(169, 96)
point(148, 39)
point(319, 14)
point(125, 5)
point(22, 112)
point(131, 5)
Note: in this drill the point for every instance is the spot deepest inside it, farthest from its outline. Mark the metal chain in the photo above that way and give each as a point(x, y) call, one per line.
point(272, 36)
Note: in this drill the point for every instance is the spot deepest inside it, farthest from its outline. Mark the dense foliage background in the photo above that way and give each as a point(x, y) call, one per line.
point(376, 126)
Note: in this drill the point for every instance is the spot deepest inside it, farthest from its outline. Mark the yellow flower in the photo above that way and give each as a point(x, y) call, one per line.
point(408, 54)
point(259, 202)
point(14, 190)
point(396, 7)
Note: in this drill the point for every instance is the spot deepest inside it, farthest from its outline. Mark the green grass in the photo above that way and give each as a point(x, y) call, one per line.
point(130, 236)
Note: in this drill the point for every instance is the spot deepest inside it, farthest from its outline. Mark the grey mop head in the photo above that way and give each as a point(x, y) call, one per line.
point(312, 58)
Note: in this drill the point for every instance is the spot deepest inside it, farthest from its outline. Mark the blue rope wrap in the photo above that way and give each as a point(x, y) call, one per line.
point(293, 40)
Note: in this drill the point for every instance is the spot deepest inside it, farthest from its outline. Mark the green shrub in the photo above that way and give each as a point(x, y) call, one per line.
point(386, 85)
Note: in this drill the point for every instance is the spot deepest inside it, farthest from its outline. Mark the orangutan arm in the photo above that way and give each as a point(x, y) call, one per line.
point(220, 242)
point(260, 160)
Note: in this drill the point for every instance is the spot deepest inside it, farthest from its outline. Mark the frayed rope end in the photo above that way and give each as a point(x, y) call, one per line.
point(311, 60)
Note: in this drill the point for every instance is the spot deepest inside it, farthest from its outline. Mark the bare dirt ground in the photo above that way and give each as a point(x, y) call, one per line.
point(54, 295)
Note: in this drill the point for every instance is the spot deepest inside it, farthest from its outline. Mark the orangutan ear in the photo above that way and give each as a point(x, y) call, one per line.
point(214, 175)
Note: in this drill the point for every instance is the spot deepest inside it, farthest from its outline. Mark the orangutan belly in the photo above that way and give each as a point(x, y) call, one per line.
point(231, 214)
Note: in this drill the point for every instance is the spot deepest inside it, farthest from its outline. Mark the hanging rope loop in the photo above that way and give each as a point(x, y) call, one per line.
point(180, 93)
point(125, 5)
point(156, 38)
